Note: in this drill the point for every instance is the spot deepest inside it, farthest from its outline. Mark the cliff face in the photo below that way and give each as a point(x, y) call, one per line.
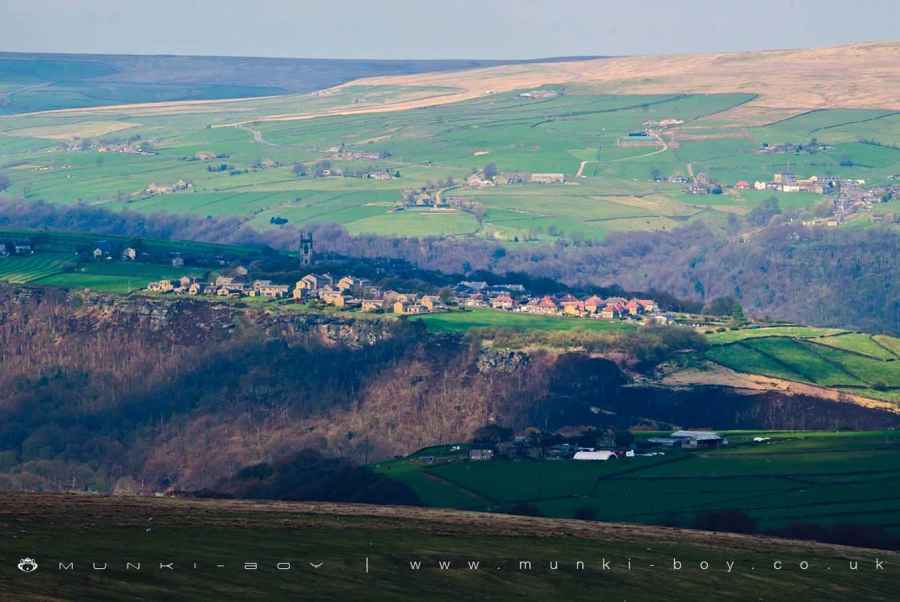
point(186, 320)
point(108, 393)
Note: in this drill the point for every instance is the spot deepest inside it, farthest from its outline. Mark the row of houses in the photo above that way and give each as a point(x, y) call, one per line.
point(132, 147)
point(610, 308)
point(223, 286)
point(810, 147)
point(479, 180)
point(179, 186)
point(352, 292)
point(347, 292)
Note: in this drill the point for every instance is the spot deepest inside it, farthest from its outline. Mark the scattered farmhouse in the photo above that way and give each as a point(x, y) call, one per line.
point(477, 180)
point(548, 178)
point(179, 186)
point(539, 94)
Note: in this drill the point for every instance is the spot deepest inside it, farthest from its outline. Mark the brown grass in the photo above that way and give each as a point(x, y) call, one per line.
point(786, 82)
point(85, 129)
point(124, 511)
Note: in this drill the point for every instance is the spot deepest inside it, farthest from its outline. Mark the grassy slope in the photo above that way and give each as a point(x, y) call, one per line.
point(461, 321)
point(54, 263)
point(232, 533)
point(857, 362)
point(116, 277)
point(22, 270)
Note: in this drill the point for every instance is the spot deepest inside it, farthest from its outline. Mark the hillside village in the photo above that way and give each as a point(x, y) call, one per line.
point(134, 145)
point(220, 274)
point(354, 293)
point(849, 196)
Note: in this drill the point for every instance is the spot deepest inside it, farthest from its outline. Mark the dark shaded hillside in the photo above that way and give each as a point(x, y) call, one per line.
point(136, 394)
point(87, 80)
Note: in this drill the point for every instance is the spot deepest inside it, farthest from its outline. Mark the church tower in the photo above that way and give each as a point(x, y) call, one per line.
point(306, 248)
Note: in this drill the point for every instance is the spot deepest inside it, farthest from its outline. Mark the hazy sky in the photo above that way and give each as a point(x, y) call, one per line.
point(438, 28)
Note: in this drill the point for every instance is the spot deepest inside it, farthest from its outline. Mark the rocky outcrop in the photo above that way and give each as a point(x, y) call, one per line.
point(501, 360)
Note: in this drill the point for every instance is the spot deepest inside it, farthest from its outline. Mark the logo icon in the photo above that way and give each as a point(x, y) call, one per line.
point(28, 565)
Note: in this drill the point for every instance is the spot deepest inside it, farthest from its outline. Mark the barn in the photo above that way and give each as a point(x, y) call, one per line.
point(602, 455)
point(698, 439)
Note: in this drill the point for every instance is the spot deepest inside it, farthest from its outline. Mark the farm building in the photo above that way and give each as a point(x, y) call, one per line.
point(481, 454)
point(662, 441)
point(698, 439)
point(16, 247)
point(548, 178)
point(602, 455)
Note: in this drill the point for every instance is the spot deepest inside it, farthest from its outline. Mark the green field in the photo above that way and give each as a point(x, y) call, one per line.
point(22, 270)
point(115, 277)
point(616, 192)
point(799, 332)
point(863, 344)
point(462, 321)
point(67, 242)
point(818, 477)
point(855, 362)
point(57, 262)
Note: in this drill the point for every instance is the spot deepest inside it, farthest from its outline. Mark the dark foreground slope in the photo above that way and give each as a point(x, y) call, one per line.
point(110, 531)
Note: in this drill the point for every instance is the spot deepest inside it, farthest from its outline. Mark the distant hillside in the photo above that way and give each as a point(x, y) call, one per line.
point(787, 82)
point(36, 81)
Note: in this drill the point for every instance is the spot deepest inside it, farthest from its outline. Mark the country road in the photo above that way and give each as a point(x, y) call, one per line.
point(257, 135)
point(665, 147)
point(580, 173)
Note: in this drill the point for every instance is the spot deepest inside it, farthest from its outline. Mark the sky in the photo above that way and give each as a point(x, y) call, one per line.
point(407, 29)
